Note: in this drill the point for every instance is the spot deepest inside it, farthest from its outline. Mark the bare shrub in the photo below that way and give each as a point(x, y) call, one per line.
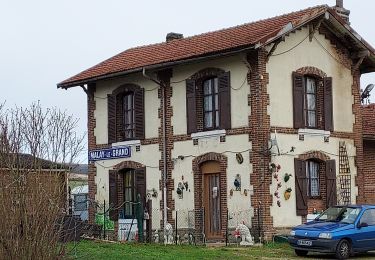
point(36, 148)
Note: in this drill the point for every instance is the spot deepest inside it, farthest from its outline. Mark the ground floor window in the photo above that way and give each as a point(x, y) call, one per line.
point(312, 177)
point(129, 193)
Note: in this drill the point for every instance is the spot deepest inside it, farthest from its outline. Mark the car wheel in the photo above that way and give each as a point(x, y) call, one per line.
point(301, 252)
point(343, 249)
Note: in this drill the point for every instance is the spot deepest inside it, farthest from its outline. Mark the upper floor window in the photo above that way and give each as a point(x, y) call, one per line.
point(211, 103)
point(208, 101)
point(312, 102)
point(126, 114)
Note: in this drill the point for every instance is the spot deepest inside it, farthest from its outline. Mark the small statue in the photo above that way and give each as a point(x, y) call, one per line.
point(244, 232)
point(156, 236)
point(168, 237)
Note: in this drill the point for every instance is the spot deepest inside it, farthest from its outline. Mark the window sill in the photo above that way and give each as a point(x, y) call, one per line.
point(313, 132)
point(127, 143)
point(208, 134)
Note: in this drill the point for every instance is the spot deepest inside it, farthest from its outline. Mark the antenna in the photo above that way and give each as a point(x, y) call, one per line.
point(366, 93)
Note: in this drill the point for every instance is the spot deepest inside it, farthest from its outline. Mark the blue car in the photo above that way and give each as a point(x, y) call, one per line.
point(342, 230)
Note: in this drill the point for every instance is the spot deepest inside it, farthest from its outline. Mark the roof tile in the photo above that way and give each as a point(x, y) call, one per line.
point(195, 46)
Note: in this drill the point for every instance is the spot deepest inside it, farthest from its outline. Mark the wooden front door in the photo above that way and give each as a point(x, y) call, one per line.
point(211, 202)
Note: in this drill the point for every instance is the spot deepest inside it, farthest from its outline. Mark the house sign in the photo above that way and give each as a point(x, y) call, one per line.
point(110, 153)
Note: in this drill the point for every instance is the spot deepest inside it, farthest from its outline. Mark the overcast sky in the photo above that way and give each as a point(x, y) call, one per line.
point(44, 41)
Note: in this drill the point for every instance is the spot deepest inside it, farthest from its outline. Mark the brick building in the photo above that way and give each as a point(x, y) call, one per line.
point(216, 121)
point(369, 153)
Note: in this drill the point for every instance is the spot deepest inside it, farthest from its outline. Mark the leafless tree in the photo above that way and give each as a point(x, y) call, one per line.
point(37, 147)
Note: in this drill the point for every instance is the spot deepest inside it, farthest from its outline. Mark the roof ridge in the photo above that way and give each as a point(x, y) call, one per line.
point(224, 29)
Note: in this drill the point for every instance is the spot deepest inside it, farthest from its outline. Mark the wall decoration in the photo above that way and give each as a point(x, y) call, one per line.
point(239, 158)
point(287, 177)
point(287, 193)
point(237, 182)
point(180, 190)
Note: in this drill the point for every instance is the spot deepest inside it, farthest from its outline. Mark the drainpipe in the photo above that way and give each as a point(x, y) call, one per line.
point(164, 176)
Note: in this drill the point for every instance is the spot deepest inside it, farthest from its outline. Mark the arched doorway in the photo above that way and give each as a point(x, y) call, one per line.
point(211, 199)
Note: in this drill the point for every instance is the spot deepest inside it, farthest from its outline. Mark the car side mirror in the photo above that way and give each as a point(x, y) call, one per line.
point(362, 224)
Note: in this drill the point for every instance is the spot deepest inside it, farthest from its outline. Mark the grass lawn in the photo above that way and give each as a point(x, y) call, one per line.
point(103, 250)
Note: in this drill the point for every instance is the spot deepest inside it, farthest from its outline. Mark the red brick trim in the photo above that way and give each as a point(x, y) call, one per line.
point(259, 122)
point(293, 131)
point(314, 155)
point(206, 73)
point(165, 77)
point(313, 71)
point(127, 165)
point(198, 180)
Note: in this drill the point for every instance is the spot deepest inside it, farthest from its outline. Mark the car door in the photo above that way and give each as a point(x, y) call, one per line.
point(366, 231)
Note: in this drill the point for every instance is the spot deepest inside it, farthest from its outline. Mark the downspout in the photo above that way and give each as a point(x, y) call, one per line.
point(164, 176)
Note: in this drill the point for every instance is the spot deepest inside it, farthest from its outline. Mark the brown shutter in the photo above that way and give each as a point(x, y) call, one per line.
point(191, 111)
point(140, 183)
point(111, 100)
point(139, 113)
point(298, 100)
point(328, 106)
point(331, 183)
point(113, 203)
point(301, 187)
point(224, 101)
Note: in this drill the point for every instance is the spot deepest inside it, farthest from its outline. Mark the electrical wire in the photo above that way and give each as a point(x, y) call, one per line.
point(108, 167)
point(281, 53)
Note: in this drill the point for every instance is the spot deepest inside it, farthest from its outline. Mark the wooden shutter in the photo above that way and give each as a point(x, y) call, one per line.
point(191, 109)
point(113, 203)
point(140, 184)
point(298, 100)
point(224, 101)
point(301, 187)
point(331, 183)
point(328, 104)
point(111, 101)
point(139, 113)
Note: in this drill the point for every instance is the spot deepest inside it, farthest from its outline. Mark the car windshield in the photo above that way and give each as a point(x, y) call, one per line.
point(340, 214)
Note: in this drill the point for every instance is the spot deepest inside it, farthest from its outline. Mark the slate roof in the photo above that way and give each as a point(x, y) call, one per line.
point(232, 39)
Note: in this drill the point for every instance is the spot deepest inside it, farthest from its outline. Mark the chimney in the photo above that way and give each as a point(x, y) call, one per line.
point(341, 11)
point(174, 36)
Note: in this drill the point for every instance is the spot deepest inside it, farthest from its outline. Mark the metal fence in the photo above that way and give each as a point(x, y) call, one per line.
point(184, 226)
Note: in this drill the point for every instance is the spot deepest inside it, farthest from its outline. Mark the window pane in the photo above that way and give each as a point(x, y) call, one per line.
point(207, 87)
point(208, 120)
point(208, 103)
point(312, 172)
point(216, 102)
point(314, 187)
point(311, 102)
point(216, 84)
point(217, 119)
point(310, 86)
point(128, 179)
point(311, 119)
